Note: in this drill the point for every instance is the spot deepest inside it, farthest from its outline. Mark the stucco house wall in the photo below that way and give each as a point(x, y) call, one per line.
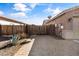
point(69, 22)
point(10, 26)
point(2, 22)
point(7, 21)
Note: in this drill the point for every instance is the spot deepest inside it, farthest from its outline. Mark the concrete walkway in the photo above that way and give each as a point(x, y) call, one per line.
point(45, 45)
point(25, 49)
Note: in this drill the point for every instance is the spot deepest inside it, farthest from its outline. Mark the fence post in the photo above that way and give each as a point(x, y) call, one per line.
point(0, 30)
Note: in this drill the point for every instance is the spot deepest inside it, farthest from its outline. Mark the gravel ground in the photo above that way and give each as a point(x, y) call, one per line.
point(9, 50)
point(45, 45)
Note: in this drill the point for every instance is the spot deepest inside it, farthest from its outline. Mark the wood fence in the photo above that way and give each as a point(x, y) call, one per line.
point(12, 29)
point(41, 30)
point(28, 29)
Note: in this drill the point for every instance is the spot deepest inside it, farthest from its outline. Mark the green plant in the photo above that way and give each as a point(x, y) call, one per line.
point(15, 39)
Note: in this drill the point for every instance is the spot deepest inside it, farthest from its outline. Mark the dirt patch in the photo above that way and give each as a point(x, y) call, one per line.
point(10, 49)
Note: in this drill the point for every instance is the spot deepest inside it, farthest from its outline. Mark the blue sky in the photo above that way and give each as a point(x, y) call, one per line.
point(33, 13)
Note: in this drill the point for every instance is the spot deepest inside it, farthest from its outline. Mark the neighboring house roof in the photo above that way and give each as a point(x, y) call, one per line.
point(62, 13)
point(45, 21)
point(10, 20)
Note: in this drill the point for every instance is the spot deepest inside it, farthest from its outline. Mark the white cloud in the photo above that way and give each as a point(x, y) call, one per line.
point(1, 12)
point(24, 7)
point(56, 11)
point(33, 5)
point(35, 21)
point(53, 11)
point(19, 14)
point(48, 10)
point(20, 7)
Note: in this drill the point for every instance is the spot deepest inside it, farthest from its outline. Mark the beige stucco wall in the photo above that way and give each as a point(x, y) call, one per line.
point(68, 32)
point(2, 22)
point(64, 19)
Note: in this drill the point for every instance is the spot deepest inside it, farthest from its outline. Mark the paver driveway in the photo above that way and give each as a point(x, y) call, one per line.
point(45, 45)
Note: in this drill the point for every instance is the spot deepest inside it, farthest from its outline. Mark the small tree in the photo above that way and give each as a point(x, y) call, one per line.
point(49, 17)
